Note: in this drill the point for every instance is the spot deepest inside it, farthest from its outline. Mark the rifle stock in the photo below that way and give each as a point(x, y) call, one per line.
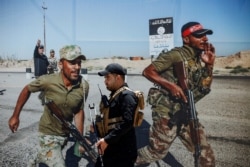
point(73, 130)
point(193, 121)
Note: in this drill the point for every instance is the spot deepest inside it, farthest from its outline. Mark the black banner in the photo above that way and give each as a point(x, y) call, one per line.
point(161, 26)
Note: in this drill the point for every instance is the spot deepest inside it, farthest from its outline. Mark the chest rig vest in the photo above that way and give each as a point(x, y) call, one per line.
point(198, 80)
point(106, 124)
point(198, 77)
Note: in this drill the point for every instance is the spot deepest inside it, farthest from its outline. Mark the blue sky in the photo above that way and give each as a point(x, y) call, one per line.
point(105, 28)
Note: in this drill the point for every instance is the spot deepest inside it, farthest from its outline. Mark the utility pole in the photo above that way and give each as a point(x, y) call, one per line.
point(44, 33)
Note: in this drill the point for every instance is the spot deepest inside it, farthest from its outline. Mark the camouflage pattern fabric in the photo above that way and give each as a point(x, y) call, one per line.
point(161, 137)
point(52, 65)
point(50, 152)
point(71, 52)
point(161, 102)
point(164, 106)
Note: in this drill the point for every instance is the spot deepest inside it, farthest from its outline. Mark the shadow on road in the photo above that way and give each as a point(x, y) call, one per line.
point(142, 133)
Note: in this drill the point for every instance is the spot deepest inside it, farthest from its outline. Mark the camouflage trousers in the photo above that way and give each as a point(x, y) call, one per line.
point(50, 152)
point(161, 137)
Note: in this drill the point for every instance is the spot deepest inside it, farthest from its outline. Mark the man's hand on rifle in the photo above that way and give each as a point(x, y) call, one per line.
point(81, 149)
point(101, 145)
point(178, 93)
point(91, 129)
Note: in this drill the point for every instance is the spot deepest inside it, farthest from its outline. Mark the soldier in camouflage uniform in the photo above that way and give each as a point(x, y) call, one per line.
point(52, 62)
point(198, 56)
point(68, 91)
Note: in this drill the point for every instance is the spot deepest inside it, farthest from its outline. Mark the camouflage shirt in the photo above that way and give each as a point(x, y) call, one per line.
point(164, 64)
point(53, 63)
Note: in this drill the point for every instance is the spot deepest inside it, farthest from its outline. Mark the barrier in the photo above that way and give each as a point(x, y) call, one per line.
point(28, 73)
point(84, 73)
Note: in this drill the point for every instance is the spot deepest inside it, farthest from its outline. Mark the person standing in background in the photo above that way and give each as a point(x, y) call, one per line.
point(40, 60)
point(52, 68)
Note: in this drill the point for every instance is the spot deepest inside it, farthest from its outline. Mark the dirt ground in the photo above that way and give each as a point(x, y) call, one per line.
point(224, 113)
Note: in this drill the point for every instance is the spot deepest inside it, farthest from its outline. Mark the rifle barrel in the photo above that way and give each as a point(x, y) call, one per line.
point(95, 131)
point(194, 127)
point(180, 72)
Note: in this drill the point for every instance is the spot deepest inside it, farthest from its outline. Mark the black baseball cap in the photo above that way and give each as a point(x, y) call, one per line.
point(194, 28)
point(41, 46)
point(114, 68)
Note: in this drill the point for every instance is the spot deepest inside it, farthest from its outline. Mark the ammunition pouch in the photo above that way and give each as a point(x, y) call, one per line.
point(204, 90)
point(99, 126)
point(157, 97)
point(102, 121)
point(202, 86)
point(162, 102)
point(205, 82)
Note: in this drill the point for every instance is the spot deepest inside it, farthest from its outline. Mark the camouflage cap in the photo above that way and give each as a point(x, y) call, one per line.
point(71, 52)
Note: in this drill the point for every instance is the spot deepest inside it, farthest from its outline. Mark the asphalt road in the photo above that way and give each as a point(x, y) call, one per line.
point(224, 113)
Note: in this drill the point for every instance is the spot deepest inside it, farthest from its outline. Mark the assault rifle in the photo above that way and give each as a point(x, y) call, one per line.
point(105, 100)
point(73, 130)
point(1, 91)
point(189, 107)
point(95, 129)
